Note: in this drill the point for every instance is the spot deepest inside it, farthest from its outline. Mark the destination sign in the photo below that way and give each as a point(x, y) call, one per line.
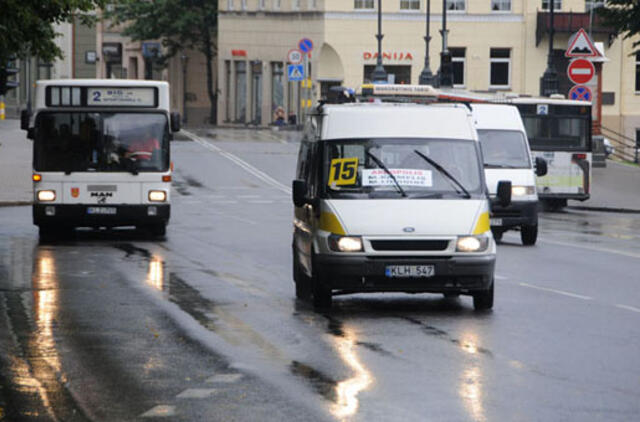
point(121, 97)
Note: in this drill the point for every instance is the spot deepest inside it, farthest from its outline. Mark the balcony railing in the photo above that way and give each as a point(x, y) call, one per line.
point(571, 22)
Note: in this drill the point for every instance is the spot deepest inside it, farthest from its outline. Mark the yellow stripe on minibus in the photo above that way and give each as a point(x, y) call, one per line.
point(330, 223)
point(483, 225)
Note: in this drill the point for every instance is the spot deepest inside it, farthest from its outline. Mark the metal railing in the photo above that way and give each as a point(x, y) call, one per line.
point(625, 148)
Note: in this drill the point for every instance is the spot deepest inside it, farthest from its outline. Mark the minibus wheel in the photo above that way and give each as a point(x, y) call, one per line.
point(529, 235)
point(483, 300)
point(301, 280)
point(321, 293)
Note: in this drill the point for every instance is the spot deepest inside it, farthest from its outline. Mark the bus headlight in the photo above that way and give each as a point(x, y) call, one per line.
point(345, 243)
point(157, 196)
point(472, 243)
point(523, 190)
point(46, 195)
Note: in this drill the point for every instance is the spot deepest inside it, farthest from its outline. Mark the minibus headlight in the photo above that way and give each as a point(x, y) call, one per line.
point(345, 243)
point(157, 196)
point(46, 195)
point(472, 243)
point(523, 190)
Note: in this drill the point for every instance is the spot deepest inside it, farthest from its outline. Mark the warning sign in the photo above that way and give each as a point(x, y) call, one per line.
point(580, 45)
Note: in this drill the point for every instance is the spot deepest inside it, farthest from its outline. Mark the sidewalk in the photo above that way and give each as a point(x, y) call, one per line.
point(15, 164)
point(615, 188)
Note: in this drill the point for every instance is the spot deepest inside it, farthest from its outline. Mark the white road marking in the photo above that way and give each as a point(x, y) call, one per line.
point(500, 277)
point(240, 162)
point(196, 393)
point(560, 292)
point(160, 411)
point(224, 378)
point(628, 308)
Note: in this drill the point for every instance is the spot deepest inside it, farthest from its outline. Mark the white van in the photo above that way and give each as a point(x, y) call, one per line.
point(507, 156)
point(392, 198)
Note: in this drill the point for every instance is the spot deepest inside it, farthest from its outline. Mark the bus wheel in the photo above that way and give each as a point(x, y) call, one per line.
point(529, 235)
point(483, 301)
point(157, 230)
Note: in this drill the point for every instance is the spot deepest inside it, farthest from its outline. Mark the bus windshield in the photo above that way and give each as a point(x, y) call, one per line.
point(557, 133)
point(409, 168)
point(504, 149)
point(101, 141)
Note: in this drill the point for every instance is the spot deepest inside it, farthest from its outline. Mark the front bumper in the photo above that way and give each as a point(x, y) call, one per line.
point(367, 273)
point(514, 215)
point(573, 196)
point(78, 215)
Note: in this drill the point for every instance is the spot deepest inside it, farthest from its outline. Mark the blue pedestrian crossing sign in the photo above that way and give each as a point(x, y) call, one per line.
point(295, 72)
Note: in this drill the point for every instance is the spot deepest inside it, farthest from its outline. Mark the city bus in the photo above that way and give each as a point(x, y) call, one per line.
point(101, 155)
point(559, 131)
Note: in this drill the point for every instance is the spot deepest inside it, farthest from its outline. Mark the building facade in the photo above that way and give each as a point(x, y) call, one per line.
point(497, 45)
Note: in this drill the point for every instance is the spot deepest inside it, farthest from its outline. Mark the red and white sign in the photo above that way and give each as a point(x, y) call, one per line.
point(581, 71)
point(295, 56)
point(580, 45)
point(395, 55)
point(239, 53)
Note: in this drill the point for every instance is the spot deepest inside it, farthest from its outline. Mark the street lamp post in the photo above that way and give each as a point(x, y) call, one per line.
point(379, 74)
point(446, 76)
point(426, 77)
point(549, 83)
point(184, 59)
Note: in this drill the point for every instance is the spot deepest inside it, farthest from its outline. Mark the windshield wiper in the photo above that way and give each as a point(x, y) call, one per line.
point(445, 172)
point(499, 166)
point(386, 170)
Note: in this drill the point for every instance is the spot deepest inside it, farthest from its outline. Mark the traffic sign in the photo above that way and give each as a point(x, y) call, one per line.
point(580, 93)
point(580, 71)
point(580, 45)
point(295, 56)
point(295, 72)
point(305, 45)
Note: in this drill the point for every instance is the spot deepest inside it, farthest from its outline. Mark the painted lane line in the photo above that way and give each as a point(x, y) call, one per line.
point(500, 277)
point(560, 292)
point(224, 378)
point(197, 393)
point(160, 411)
point(628, 308)
point(240, 162)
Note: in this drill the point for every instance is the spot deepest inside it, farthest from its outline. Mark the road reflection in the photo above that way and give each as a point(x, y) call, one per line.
point(471, 383)
point(155, 273)
point(347, 391)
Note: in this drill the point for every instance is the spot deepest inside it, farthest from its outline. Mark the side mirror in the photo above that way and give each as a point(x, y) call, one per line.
point(31, 133)
point(299, 191)
point(175, 121)
point(25, 116)
point(504, 193)
point(541, 167)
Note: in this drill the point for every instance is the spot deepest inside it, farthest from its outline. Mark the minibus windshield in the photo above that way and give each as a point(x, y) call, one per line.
point(504, 149)
point(101, 141)
point(401, 168)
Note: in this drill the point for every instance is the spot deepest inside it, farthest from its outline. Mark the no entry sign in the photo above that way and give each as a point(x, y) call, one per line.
point(580, 71)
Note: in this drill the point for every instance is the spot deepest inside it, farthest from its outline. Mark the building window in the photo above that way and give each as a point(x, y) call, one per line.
point(501, 5)
point(456, 5)
point(363, 4)
point(458, 60)
point(229, 4)
point(276, 4)
point(241, 91)
point(500, 68)
point(243, 4)
point(295, 4)
point(262, 4)
point(638, 73)
point(279, 115)
point(557, 4)
point(409, 4)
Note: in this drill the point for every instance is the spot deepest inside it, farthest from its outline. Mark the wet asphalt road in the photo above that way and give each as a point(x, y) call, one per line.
point(204, 326)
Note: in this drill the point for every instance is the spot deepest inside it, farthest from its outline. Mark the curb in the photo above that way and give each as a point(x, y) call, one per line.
point(605, 209)
point(15, 203)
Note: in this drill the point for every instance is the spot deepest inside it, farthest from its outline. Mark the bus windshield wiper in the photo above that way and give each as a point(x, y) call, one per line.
point(445, 172)
point(386, 170)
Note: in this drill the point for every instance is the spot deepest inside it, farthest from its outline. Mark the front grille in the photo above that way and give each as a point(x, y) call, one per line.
point(409, 245)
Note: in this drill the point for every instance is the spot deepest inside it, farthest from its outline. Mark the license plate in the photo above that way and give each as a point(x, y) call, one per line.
point(495, 221)
point(404, 271)
point(102, 210)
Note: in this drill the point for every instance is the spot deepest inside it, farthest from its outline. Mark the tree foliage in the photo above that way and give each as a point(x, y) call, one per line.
point(179, 24)
point(624, 16)
point(26, 26)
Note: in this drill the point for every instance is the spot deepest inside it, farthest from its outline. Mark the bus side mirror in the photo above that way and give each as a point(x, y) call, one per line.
point(299, 192)
point(541, 167)
point(504, 193)
point(175, 121)
point(25, 116)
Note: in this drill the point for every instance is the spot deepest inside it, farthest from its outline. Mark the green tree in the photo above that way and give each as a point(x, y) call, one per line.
point(179, 24)
point(624, 16)
point(26, 26)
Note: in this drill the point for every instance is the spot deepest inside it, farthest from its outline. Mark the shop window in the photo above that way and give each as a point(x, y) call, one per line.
point(501, 5)
point(241, 91)
point(638, 73)
point(295, 4)
point(500, 68)
point(409, 4)
point(363, 4)
point(397, 74)
point(557, 5)
point(458, 62)
point(456, 5)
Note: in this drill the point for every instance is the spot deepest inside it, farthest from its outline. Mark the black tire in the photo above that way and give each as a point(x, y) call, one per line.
point(451, 295)
point(483, 301)
point(553, 204)
point(529, 235)
point(321, 294)
point(158, 230)
point(301, 280)
point(497, 234)
point(48, 233)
